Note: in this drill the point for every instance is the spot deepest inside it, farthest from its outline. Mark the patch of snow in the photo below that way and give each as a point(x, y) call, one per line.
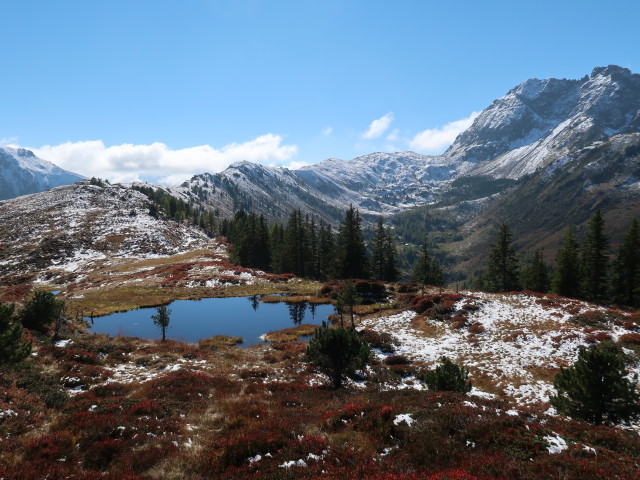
point(403, 417)
point(556, 444)
point(294, 463)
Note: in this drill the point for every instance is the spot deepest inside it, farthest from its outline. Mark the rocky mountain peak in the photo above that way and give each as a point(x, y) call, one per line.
point(613, 71)
point(538, 119)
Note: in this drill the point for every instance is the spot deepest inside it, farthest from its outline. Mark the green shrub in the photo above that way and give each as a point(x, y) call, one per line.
point(44, 386)
point(338, 352)
point(596, 387)
point(12, 349)
point(41, 310)
point(448, 377)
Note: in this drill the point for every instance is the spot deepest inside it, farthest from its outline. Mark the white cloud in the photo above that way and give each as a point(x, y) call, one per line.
point(393, 136)
point(296, 165)
point(127, 162)
point(435, 140)
point(326, 131)
point(379, 126)
point(8, 141)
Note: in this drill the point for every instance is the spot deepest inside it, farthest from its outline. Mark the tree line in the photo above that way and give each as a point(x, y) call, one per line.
point(586, 269)
point(310, 248)
point(164, 204)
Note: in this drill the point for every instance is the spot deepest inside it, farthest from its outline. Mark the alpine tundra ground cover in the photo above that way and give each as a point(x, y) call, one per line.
point(92, 406)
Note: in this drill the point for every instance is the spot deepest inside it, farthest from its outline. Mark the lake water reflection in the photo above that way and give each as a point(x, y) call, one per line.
point(192, 320)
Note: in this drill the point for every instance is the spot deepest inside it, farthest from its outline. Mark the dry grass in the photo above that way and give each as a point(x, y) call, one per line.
point(217, 341)
point(289, 334)
point(428, 328)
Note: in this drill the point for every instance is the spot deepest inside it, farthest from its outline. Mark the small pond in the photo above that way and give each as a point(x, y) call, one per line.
point(192, 320)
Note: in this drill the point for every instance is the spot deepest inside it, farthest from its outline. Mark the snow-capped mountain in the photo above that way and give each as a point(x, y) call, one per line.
point(538, 125)
point(540, 121)
point(378, 183)
point(22, 172)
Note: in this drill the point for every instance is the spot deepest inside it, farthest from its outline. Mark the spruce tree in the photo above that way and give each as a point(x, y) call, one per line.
point(566, 276)
point(326, 251)
point(262, 256)
point(12, 349)
point(427, 271)
point(378, 251)
point(313, 262)
point(276, 246)
point(594, 260)
point(351, 251)
point(383, 254)
point(596, 387)
point(626, 276)
point(295, 249)
point(503, 270)
point(535, 276)
point(391, 271)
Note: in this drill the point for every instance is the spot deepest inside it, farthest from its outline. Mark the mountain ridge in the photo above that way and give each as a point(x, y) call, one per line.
point(22, 173)
point(530, 128)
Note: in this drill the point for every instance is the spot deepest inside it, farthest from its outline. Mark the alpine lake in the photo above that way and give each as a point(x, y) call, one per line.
point(193, 320)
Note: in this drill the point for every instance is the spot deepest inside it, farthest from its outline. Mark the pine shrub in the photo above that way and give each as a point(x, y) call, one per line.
point(12, 349)
point(597, 388)
point(448, 377)
point(338, 352)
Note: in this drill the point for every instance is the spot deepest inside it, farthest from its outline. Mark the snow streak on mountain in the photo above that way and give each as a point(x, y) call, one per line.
point(538, 125)
point(22, 172)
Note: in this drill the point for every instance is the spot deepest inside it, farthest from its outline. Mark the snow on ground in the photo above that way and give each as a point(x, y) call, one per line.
point(556, 443)
point(70, 228)
point(525, 341)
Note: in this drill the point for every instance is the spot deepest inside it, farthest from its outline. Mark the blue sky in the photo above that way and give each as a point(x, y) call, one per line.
point(161, 90)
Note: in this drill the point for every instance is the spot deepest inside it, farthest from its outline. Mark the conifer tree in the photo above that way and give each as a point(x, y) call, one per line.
point(449, 377)
point(313, 261)
point(263, 251)
point(12, 348)
point(594, 260)
point(326, 251)
point(427, 271)
point(566, 277)
point(391, 271)
point(535, 276)
point(338, 352)
point(626, 275)
point(162, 319)
point(378, 251)
point(596, 387)
point(295, 248)
point(503, 270)
point(351, 251)
point(383, 254)
point(41, 310)
point(347, 299)
point(276, 243)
